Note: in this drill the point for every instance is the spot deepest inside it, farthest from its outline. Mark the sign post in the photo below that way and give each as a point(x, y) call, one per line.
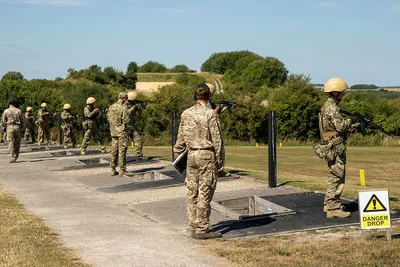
point(374, 209)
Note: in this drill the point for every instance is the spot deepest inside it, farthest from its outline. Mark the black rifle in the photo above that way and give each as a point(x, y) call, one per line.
point(143, 103)
point(230, 105)
point(365, 122)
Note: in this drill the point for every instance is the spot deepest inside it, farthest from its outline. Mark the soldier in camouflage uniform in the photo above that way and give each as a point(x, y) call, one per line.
point(13, 120)
point(3, 133)
point(117, 117)
point(134, 111)
point(89, 126)
point(67, 125)
point(43, 124)
point(334, 128)
point(200, 133)
point(29, 125)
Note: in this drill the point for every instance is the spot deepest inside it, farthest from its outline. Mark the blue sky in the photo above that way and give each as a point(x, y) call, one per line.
point(358, 40)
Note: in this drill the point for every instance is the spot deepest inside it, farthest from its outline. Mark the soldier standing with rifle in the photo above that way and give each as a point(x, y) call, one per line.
point(67, 125)
point(43, 124)
point(30, 125)
point(117, 117)
point(89, 126)
point(13, 120)
point(333, 128)
point(199, 133)
point(134, 111)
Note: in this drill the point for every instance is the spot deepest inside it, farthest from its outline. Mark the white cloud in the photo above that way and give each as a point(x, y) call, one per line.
point(327, 3)
point(47, 2)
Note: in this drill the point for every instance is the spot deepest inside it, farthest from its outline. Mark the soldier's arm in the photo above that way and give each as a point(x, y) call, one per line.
point(180, 144)
point(3, 119)
point(216, 139)
point(341, 124)
point(89, 114)
point(23, 120)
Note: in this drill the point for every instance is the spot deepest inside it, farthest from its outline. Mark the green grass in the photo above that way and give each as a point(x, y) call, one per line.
point(27, 241)
point(298, 166)
point(171, 77)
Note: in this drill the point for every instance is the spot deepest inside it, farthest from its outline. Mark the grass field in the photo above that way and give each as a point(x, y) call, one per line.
point(27, 241)
point(171, 77)
point(299, 166)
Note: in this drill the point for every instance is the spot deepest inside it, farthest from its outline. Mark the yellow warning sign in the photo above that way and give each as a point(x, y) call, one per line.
point(371, 221)
point(374, 205)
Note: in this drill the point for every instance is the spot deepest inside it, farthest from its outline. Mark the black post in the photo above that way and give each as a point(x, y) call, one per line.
point(272, 149)
point(174, 133)
point(61, 133)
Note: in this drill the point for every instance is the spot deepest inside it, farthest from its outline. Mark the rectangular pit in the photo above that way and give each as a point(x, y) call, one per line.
point(248, 208)
point(62, 154)
point(94, 161)
point(144, 177)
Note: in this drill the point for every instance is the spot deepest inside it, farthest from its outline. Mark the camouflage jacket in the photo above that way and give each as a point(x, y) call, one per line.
point(43, 117)
point(117, 117)
point(13, 116)
point(333, 125)
point(199, 128)
point(29, 119)
point(67, 118)
point(89, 113)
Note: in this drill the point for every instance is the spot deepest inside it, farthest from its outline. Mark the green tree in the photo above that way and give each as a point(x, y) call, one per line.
point(269, 72)
point(179, 68)
point(364, 86)
point(153, 67)
point(13, 76)
point(110, 74)
point(132, 67)
point(221, 62)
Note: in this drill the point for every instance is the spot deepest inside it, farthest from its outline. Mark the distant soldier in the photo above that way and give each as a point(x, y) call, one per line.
point(3, 133)
point(333, 128)
point(200, 133)
point(13, 120)
point(89, 126)
point(29, 125)
point(67, 125)
point(43, 122)
point(118, 118)
point(135, 110)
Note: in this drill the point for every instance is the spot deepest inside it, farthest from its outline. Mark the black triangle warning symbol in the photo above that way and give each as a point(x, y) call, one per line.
point(374, 204)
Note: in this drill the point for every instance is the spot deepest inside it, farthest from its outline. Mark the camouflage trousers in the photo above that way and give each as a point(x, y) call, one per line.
point(43, 131)
point(137, 139)
point(30, 133)
point(86, 139)
point(336, 178)
point(201, 181)
point(14, 140)
point(68, 135)
point(119, 146)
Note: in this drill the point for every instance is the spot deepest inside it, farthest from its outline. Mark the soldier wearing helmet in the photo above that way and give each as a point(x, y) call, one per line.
point(89, 126)
point(42, 122)
point(118, 118)
point(29, 125)
point(333, 128)
point(67, 125)
point(134, 111)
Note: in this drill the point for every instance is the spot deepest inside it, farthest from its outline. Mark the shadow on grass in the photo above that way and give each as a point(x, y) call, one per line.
point(395, 199)
point(239, 172)
point(290, 182)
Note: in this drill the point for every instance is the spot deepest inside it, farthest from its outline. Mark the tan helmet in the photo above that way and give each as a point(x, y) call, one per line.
point(212, 87)
point(90, 101)
point(43, 105)
point(335, 85)
point(29, 109)
point(132, 96)
point(67, 106)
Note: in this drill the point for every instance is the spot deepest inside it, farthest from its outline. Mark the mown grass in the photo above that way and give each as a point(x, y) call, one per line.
point(172, 77)
point(27, 241)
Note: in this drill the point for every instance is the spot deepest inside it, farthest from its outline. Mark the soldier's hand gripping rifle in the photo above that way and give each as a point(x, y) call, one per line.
point(230, 105)
point(365, 122)
point(143, 103)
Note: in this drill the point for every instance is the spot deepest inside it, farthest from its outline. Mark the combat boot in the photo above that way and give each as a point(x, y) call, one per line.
point(343, 208)
point(13, 160)
point(208, 235)
point(83, 152)
point(114, 172)
point(122, 172)
point(339, 213)
point(65, 146)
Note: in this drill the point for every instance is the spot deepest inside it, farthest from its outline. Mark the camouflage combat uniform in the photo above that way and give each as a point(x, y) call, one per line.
point(134, 112)
point(334, 128)
point(13, 119)
point(90, 128)
point(117, 117)
point(199, 132)
point(67, 127)
point(43, 126)
point(29, 126)
point(3, 134)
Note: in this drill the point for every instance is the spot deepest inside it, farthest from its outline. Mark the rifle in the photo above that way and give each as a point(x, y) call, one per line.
point(143, 103)
point(230, 105)
point(103, 109)
point(365, 122)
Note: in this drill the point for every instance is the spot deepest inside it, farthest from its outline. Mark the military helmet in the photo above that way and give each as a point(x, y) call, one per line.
point(132, 95)
point(90, 101)
point(29, 109)
point(67, 106)
point(335, 85)
point(43, 105)
point(212, 87)
point(122, 95)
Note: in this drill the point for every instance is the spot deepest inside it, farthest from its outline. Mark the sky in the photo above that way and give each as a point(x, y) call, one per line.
point(357, 40)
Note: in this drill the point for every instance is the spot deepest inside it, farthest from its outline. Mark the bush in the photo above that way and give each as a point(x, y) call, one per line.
point(221, 62)
point(153, 67)
point(179, 68)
